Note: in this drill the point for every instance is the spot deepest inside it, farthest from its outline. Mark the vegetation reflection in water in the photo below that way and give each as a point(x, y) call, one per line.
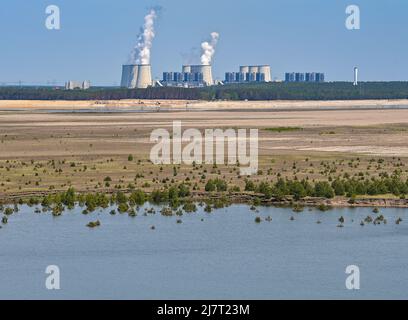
point(177, 200)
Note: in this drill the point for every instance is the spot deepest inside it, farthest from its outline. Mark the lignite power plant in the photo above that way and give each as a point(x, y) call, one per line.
point(191, 76)
point(136, 76)
point(138, 72)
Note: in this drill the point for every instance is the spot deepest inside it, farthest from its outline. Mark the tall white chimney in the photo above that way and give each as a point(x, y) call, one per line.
point(355, 76)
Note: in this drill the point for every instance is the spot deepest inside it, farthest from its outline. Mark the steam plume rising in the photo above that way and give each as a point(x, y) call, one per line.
point(141, 52)
point(208, 49)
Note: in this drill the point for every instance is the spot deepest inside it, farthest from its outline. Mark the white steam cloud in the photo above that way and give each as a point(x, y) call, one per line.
point(141, 52)
point(208, 49)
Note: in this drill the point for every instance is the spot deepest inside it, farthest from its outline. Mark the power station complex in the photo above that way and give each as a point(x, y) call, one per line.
point(191, 76)
point(250, 74)
point(140, 76)
point(138, 72)
point(304, 77)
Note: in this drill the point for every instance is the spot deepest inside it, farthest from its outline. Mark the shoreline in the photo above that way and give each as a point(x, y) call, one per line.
point(234, 198)
point(190, 105)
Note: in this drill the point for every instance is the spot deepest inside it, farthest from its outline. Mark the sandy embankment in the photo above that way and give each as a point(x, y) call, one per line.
point(197, 105)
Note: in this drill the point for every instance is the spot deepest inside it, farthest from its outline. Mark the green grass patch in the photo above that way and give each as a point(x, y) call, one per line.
point(283, 129)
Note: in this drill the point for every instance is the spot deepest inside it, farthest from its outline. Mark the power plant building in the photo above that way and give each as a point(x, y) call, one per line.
point(320, 77)
point(289, 77)
point(77, 85)
point(136, 76)
point(191, 76)
point(304, 77)
point(310, 77)
point(299, 77)
point(250, 74)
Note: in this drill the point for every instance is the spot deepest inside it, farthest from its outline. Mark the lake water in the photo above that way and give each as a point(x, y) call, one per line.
point(225, 256)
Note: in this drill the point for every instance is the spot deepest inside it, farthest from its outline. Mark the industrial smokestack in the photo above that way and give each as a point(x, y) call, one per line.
point(208, 49)
point(144, 77)
point(355, 76)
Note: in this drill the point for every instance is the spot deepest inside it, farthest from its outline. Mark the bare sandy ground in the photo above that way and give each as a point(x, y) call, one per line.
point(35, 144)
point(378, 132)
point(196, 105)
point(210, 119)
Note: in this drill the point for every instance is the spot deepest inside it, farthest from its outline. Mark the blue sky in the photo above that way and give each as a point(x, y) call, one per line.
point(96, 37)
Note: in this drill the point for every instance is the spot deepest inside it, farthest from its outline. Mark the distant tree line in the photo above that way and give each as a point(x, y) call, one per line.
point(102, 93)
point(265, 91)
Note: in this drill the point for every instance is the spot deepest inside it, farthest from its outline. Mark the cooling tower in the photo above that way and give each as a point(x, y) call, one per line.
point(144, 77)
point(266, 70)
point(206, 71)
point(186, 69)
point(207, 75)
point(129, 76)
point(253, 69)
point(244, 69)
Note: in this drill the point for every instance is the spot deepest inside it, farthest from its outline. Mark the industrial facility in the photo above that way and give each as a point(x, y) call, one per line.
point(355, 83)
point(136, 76)
point(198, 76)
point(304, 77)
point(191, 76)
point(77, 85)
point(137, 73)
point(250, 74)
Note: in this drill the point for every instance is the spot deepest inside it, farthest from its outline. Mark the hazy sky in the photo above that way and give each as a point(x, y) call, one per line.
point(96, 37)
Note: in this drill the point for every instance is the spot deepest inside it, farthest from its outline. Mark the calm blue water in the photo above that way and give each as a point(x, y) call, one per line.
point(226, 256)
